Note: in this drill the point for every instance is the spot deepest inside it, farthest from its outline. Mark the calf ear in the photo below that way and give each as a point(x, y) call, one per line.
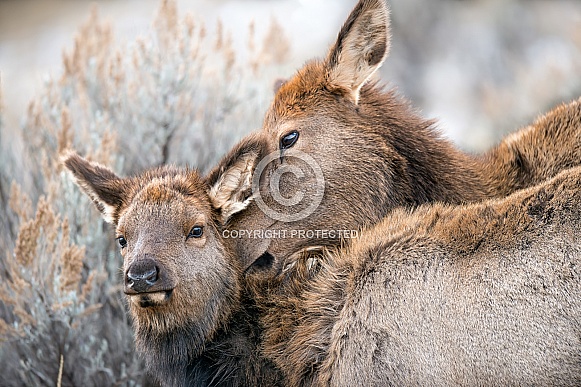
point(231, 181)
point(360, 49)
point(102, 185)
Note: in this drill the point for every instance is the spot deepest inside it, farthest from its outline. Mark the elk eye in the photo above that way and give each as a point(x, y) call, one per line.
point(196, 232)
point(122, 241)
point(289, 139)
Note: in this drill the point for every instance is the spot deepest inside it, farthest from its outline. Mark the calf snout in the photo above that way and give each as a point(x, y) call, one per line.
point(142, 276)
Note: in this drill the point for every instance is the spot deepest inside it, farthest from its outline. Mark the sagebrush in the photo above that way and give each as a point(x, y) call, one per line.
point(173, 96)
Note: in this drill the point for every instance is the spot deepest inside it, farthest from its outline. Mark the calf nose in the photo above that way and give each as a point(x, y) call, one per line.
point(141, 276)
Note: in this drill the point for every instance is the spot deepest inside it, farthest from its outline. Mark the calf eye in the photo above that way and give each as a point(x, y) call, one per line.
point(289, 139)
point(122, 241)
point(196, 232)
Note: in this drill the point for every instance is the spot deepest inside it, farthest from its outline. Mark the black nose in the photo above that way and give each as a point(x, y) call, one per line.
point(141, 276)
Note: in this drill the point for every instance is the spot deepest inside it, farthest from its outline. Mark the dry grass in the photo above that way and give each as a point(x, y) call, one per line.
point(173, 96)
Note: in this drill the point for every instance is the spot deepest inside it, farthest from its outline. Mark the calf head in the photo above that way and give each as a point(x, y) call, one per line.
point(181, 282)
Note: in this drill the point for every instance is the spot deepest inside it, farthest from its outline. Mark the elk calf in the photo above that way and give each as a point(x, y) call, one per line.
point(487, 293)
point(193, 322)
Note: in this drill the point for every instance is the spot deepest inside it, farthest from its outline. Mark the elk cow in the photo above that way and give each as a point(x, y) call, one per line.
point(480, 294)
point(353, 151)
point(485, 293)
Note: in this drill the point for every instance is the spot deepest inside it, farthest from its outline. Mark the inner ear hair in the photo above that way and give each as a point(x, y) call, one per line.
point(231, 192)
point(102, 185)
point(230, 183)
point(361, 47)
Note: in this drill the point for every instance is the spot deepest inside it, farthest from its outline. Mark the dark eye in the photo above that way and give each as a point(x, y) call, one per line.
point(196, 232)
point(289, 139)
point(122, 241)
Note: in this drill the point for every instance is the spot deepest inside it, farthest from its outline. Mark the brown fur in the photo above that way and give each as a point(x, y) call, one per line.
point(200, 326)
point(483, 294)
point(476, 294)
point(376, 153)
point(198, 294)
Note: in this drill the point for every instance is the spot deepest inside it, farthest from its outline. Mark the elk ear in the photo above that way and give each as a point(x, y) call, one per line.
point(106, 189)
point(231, 181)
point(360, 49)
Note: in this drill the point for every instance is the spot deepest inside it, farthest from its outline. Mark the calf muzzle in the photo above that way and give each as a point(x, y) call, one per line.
point(142, 276)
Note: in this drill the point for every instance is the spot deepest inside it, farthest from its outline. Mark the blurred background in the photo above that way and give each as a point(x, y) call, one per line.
point(482, 68)
point(138, 83)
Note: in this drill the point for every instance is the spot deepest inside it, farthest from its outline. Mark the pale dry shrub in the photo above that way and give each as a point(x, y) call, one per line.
point(53, 308)
point(61, 317)
point(176, 95)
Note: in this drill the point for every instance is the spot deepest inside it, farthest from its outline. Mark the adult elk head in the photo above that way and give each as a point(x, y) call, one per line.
point(337, 153)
